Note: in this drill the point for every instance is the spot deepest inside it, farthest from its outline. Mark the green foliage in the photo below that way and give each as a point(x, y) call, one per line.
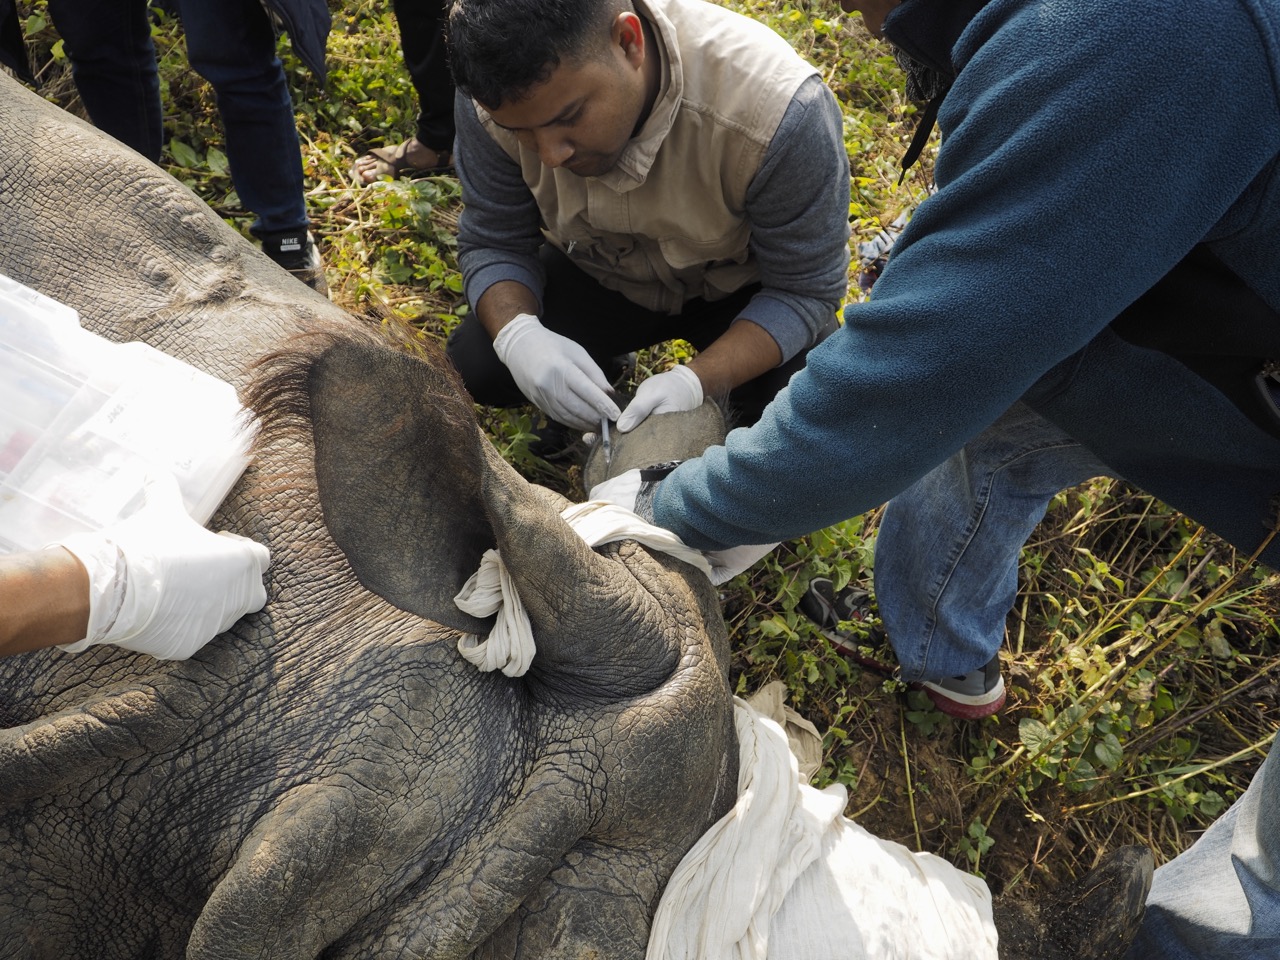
point(973, 843)
point(1141, 654)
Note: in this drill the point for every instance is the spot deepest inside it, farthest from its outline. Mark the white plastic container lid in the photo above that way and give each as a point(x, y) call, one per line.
point(84, 422)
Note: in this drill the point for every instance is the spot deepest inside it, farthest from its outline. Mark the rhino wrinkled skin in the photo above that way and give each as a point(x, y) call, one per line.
point(330, 778)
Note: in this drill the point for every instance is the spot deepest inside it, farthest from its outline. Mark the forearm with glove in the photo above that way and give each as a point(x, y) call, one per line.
point(156, 583)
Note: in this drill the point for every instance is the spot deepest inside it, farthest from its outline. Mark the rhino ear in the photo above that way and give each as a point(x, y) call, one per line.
point(398, 462)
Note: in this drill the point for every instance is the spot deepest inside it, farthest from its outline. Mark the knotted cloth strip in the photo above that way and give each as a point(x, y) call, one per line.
point(510, 646)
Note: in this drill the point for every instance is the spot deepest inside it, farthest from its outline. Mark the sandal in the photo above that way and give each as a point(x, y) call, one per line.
point(393, 162)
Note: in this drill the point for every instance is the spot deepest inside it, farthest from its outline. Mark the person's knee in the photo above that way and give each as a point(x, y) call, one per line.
point(234, 49)
point(486, 378)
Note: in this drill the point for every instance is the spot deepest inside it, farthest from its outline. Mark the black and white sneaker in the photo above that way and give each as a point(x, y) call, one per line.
point(976, 694)
point(296, 251)
point(828, 608)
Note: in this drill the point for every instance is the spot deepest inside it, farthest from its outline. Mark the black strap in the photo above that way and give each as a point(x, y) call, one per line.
point(925, 127)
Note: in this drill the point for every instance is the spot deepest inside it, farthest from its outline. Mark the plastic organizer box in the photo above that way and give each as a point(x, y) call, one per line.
point(84, 422)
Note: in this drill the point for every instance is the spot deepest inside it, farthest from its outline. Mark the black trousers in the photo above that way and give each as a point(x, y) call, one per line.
point(607, 325)
point(421, 25)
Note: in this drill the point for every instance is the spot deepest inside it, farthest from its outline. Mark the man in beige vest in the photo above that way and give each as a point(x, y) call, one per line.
point(636, 171)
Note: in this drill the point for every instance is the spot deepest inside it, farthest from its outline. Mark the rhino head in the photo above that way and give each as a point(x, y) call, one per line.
point(330, 777)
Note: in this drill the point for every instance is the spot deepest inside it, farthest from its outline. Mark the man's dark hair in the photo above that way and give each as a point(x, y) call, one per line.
point(499, 50)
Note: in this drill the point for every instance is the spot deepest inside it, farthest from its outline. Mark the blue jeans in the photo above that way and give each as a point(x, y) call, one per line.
point(1221, 898)
point(232, 44)
point(946, 566)
point(946, 576)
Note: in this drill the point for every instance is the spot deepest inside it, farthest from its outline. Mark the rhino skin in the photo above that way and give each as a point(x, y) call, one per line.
point(330, 778)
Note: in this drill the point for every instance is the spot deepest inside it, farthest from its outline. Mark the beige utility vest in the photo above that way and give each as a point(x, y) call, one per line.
point(668, 223)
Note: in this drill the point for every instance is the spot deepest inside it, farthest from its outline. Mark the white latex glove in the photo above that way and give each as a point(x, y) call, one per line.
point(631, 491)
point(160, 583)
point(674, 391)
point(556, 373)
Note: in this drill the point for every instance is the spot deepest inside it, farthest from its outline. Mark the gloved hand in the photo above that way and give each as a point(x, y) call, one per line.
point(160, 583)
point(634, 490)
point(674, 391)
point(556, 373)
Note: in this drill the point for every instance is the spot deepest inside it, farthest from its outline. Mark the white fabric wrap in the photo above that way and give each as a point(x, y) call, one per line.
point(510, 646)
point(784, 875)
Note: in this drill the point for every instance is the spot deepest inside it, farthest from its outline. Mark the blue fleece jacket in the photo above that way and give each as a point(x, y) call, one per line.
point(1087, 147)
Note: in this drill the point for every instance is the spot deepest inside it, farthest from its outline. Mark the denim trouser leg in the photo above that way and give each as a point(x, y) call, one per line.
point(232, 44)
point(113, 62)
point(1221, 898)
point(946, 565)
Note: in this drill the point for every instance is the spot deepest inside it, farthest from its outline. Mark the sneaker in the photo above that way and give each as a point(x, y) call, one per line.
point(976, 694)
point(296, 251)
point(828, 609)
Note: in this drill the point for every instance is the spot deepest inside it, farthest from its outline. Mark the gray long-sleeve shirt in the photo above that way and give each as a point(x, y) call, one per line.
point(797, 206)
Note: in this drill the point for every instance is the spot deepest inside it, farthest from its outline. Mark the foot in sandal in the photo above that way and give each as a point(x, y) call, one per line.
point(409, 159)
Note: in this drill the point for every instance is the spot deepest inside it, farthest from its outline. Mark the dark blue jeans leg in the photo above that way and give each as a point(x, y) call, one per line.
point(232, 44)
point(113, 62)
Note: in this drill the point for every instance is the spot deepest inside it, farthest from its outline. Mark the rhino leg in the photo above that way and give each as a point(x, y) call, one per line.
point(302, 878)
point(486, 880)
point(599, 904)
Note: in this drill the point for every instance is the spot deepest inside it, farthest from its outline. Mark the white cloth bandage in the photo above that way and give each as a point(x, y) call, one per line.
point(510, 645)
point(786, 876)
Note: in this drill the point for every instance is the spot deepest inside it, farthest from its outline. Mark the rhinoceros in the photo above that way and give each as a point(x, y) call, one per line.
point(330, 777)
